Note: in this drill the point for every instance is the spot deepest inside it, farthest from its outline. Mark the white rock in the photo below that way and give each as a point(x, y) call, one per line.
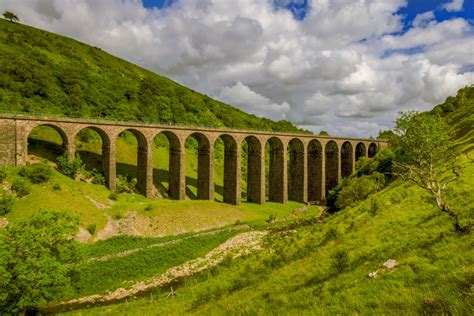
point(390, 264)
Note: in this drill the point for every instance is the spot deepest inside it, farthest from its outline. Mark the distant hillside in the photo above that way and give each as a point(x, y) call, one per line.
point(44, 72)
point(459, 113)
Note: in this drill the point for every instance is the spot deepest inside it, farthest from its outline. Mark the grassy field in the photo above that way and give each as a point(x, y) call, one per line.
point(324, 268)
point(102, 276)
point(155, 217)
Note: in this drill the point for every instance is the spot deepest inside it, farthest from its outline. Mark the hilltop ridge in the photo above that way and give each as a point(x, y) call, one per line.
point(47, 73)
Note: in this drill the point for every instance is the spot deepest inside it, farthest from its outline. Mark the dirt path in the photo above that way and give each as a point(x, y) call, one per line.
point(239, 245)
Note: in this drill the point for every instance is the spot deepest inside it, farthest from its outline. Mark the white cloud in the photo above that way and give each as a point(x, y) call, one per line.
point(453, 6)
point(246, 99)
point(345, 68)
point(422, 19)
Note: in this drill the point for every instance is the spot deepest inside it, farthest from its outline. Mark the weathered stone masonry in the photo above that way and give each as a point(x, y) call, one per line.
point(301, 167)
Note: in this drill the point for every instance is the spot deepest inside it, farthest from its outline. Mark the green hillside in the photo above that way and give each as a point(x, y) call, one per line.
point(335, 265)
point(47, 73)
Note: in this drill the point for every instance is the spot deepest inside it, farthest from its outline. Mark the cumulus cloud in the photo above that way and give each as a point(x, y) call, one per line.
point(252, 102)
point(453, 6)
point(348, 67)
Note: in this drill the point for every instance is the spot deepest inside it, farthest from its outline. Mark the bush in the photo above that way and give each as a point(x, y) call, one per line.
point(340, 260)
point(21, 187)
point(149, 208)
point(125, 184)
point(6, 203)
point(56, 187)
point(91, 228)
point(271, 218)
point(69, 168)
point(358, 189)
point(113, 196)
point(3, 174)
point(36, 173)
point(97, 177)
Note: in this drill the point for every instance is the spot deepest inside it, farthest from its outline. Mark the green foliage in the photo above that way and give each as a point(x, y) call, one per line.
point(359, 188)
point(98, 277)
point(6, 203)
point(125, 184)
point(425, 155)
point(91, 228)
point(382, 162)
point(340, 260)
point(323, 133)
point(3, 174)
point(10, 16)
point(50, 74)
point(36, 173)
point(21, 187)
point(113, 196)
point(70, 168)
point(32, 257)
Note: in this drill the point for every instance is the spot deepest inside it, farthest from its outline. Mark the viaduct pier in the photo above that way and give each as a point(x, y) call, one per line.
point(302, 167)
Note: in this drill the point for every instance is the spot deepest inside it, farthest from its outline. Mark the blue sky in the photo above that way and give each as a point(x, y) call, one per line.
point(413, 7)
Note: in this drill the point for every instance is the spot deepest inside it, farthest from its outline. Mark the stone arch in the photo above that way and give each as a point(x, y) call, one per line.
point(347, 159)
point(89, 157)
point(276, 170)
point(203, 180)
point(296, 152)
point(54, 149)
point(231, 182)
point(174, 164)
point(142, 160)
point(315, 171)
point(360, 151)
point(372, 150)
point(254, 192)
point(332, 165)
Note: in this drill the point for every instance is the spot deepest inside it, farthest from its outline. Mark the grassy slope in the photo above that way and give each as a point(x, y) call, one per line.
point(44, 72)
point(300, 274)
point(166, 216)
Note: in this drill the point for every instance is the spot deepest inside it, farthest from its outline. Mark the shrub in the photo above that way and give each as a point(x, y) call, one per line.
point(374, 206)
point(6, 203)
point(125, 184)
point(36, 173)
point(270, 218)
point(340, 260)
point(113, 196)
point(97, 177)
point(69, 168)
point(21, 187)
point(56, 187)
point(358, 189)
point(91, 228)
point(149, 207)
point(3, 174)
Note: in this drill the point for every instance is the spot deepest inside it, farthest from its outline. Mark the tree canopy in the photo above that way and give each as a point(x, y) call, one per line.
point(425, 155)
point(33, 253)
point(10, 16)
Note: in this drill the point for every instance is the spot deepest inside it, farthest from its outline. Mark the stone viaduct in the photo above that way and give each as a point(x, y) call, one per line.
point(301, 167)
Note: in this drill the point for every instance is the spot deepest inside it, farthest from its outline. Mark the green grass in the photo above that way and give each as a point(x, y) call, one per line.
point(299, 274)
point(100, 277)
point(157, 217)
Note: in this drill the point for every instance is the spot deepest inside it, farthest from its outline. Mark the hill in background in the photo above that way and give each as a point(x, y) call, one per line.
point(47, 73)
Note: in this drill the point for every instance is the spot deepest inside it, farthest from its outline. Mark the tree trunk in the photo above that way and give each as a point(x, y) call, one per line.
point(445, 209)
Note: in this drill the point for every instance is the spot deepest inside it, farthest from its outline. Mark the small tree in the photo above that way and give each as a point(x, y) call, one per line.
point(425, 156)
point(11, 16)
point(33, 254)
